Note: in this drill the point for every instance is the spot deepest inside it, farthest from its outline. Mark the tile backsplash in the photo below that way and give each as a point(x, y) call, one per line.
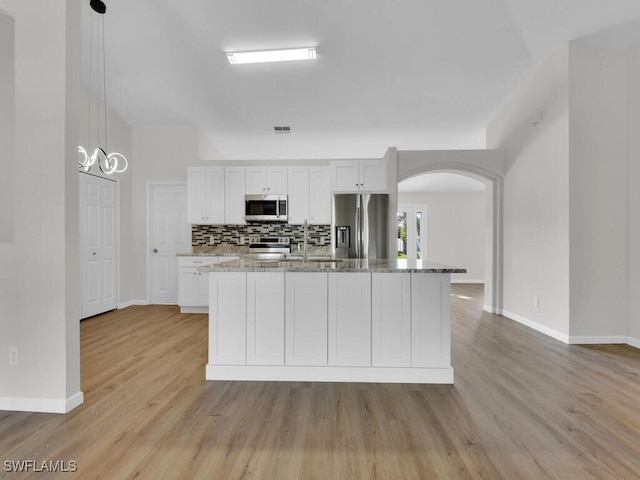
point(217, 235)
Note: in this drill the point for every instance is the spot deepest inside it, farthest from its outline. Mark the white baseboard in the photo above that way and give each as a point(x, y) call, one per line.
point(131, 303)
point(465, 280)
point(634, 342)
point(571, 339)
point(490, 309)
point(194, 309)
point(536, 326)
point(42, 405)
point(329, 374)
point(597, 339)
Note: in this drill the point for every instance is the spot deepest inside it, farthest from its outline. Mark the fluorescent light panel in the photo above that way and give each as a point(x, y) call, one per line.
point(307, 53)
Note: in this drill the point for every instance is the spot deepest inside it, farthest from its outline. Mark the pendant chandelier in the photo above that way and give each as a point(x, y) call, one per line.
point(108, 163)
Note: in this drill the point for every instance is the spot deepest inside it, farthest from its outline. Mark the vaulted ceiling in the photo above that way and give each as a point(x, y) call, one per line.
point(414, 74)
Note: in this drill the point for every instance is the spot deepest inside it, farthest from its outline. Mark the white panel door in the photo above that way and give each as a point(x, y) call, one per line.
point(431, 329)
point(349, 319)
point(265, 318)
point(306, 319)
point(169, 234)
point(319, 196)
point(98, 240)
point(228, 318)
point(298, 194)
point(234, 191)
point(391, 319)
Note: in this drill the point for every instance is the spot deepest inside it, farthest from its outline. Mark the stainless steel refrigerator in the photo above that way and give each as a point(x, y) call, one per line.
point(360, 225)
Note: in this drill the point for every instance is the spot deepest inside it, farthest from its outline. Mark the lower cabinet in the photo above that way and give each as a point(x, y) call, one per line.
point(430, 323)
point(306, 319)
point(265, 318)
point(228, 318)
point(349, 319)
point(391, 319)
point(193, 286)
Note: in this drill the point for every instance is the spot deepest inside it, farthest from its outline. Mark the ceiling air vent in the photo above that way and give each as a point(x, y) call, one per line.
point(282, 129)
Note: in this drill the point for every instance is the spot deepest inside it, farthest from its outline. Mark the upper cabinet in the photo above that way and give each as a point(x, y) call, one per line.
point(319, 196)
point(216, 195)
point(309, 195)
point(234, 182)
point(205, 195)
point(298, 203)
point(359, 176)
point(266, 180)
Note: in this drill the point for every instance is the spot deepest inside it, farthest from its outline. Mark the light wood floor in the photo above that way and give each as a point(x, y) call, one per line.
point(523, 406)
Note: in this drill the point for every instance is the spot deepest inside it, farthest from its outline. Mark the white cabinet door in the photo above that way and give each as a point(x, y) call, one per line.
point(345, 176)
point(319, 196)
point(214, 198)
point(193, 286)
point(256, 180)
point(298, 179)
point(266, 180)
point(234, 183)
point(306, 319)
point(187, 286)
point(431, 331)
point(227, 318)
point(359, 176)
point(349, 319)
point(205, 195)
point(391, 319)
point(265, 318)
point(196, 192)
point(277, 180)
point(373, 175)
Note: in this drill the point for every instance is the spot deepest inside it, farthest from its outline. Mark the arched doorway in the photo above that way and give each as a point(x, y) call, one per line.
point(492, 176)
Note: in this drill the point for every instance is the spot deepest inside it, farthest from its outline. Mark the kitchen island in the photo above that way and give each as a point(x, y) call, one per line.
point(334, 320)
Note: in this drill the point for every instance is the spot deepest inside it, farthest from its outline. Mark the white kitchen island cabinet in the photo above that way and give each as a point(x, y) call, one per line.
point(306, 319)
point(265, 318)
point(349, 319)
point(331, 321)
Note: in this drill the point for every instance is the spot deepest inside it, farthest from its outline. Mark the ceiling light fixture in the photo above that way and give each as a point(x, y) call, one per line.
point(113, 162)
point(307, 53)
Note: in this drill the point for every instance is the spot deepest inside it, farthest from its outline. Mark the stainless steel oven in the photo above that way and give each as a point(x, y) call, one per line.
point(266, 208)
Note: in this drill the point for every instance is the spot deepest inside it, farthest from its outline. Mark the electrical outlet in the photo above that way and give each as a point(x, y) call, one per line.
point(536, 301)
point(13, 356)
point(211, 240)
point(241, 242)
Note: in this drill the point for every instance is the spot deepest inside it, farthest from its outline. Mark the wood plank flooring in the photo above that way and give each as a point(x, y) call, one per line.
point(524, 406)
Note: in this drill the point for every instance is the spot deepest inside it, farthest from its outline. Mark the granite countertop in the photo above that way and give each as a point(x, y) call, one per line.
point(331, 265)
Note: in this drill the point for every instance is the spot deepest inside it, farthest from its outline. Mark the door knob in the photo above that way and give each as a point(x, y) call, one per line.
point(155, 250)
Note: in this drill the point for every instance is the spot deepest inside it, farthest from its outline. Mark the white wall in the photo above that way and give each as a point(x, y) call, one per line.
point(536, 197)
point(455, 228)
point(7, 111)
point(39, 272)
point(598, 192)
point(633, 181)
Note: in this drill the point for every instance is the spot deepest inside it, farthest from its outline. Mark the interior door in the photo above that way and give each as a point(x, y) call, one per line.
point(169, 234)
point(412, 231)
point(98, 240)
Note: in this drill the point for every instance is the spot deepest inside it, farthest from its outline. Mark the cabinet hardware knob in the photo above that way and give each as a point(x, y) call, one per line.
point(155, 250)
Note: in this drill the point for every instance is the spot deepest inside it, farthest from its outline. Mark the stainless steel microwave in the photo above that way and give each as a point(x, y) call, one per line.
point(266, 208)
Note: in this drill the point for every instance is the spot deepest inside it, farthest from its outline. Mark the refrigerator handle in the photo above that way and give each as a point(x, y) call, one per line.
point(358, 233)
